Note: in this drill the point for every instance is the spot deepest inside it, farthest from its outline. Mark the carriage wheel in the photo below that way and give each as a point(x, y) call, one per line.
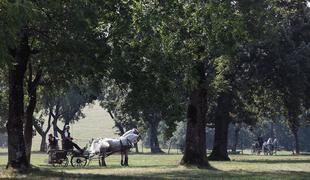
point(78, 161)
point(61, 163)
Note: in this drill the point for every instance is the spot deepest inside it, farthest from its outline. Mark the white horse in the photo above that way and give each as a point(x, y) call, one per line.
point(270, 147)
point(107, 146)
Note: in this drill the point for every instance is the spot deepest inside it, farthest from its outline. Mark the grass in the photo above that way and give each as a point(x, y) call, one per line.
point(148, 166)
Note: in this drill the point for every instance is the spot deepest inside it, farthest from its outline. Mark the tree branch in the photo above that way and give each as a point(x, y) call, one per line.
point(48, 123)
point(38, 128)
point(109, 111)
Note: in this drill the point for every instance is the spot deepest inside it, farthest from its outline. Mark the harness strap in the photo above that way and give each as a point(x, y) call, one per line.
point(126, 147)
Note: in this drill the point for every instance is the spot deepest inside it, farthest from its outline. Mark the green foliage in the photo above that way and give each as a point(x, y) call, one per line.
point(13, 15)
point(281, 64)
point(144, 57)
point(179, 135)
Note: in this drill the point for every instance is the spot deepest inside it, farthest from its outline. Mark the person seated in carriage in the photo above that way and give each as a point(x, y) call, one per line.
point(52, 145)
point(52, 142)
point(68, 143)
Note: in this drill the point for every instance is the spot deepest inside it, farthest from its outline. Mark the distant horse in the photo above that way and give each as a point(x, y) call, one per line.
point(270, 147)
point(107, 146)
point(266, 148)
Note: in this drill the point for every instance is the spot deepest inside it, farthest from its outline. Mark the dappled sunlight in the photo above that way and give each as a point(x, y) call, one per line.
point(265, 164)
point(167, 166)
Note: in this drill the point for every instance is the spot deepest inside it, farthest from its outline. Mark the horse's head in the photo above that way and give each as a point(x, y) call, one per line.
point(136, 131)
point(93, 145)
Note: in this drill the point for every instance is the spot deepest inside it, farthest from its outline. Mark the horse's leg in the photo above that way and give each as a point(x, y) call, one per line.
point(122, 158)
point(102, 157)
point(103, 160)
point(275, 150)
point(126, 158)
point(100, 160)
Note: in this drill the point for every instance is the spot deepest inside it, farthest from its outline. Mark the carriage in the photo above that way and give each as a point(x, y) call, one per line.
point(60, 158)
point(100, 149)
point(268, 148)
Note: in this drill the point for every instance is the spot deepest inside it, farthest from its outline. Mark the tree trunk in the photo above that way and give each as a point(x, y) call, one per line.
point(236, 139)
point(222, 120)
point(292, 105)
point(219, 151)
point(16, 146)
point(28, 131)
point(55, 132)
point(136, 147)
point(195, 145)
point(153, 126)
point(295, 133)
point(117, 123)
point(56, 129)
point(294, 126)
point(43, 144)
point(43, 133)
point(32, 93)
point(169, 147)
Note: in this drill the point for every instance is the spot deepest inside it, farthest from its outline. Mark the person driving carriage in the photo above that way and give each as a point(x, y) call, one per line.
point(68, 140)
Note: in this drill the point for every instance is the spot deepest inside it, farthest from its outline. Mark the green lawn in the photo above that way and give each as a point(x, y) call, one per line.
point(147, 166)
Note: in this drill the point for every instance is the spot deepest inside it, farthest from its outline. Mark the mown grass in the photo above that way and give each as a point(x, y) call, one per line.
point(148, 166)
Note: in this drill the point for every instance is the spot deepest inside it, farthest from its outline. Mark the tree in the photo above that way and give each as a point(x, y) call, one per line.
point(216, 30)
point(280, 62)
point(51, 28)
point(141, 67)
point(230, 103)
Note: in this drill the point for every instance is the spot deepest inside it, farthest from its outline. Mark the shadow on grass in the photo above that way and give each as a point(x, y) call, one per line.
point(184, 173)
point(271, 161)
point(211, 174)
point(69, 167)
point(50, 174)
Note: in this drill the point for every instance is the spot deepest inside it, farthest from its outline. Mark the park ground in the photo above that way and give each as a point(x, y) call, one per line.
point(97, 123)
point(148, 166)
